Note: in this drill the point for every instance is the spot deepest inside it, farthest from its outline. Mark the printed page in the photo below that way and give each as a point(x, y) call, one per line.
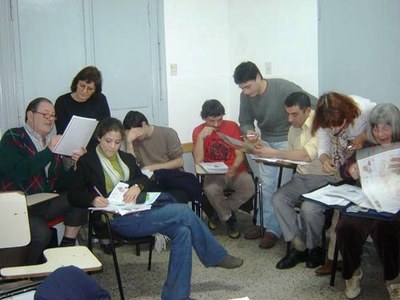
point(76, 135)
point(129, 208)
point(379, 183)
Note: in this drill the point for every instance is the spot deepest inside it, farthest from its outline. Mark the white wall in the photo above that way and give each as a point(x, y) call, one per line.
point(207, 39)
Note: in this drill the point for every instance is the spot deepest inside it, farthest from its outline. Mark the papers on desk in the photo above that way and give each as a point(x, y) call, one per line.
point(76, 135)
point(379, 183)
point(341, 195)
point(276, 160)
point(214, 167)
point(124, 208)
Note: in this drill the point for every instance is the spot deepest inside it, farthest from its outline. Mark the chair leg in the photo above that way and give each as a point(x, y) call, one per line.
point(114, 254)
point(90, 229)
point(150, 254)
point(334, 265)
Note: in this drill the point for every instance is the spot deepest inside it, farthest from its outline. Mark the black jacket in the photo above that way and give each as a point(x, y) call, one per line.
point(90, 174)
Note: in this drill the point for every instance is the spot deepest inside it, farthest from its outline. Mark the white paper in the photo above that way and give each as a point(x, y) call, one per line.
point(245, 147)
point(76, 135)
point(340, 195)
point(277, 160)
point(116, 197)
point(148, 173)
point(379, 183)
point(214, 167)
point(130, 208)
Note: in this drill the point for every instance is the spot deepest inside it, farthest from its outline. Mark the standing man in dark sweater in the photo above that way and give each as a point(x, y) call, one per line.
point(30, 166)
point(263, 101)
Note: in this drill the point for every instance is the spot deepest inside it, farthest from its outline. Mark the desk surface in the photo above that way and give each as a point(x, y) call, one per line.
point(79, 256)
point(278, 163)
point(39, 198)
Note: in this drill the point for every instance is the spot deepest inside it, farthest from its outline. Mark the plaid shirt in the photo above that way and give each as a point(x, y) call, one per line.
point(22, 167)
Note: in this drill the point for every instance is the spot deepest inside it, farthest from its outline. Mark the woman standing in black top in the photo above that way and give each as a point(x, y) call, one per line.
point(85, 100)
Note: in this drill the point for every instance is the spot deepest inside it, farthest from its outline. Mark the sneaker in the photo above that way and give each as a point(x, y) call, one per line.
point(230, 262)
point(231, 228)
point(213, 222)
point(353, 288)
point(394, 291)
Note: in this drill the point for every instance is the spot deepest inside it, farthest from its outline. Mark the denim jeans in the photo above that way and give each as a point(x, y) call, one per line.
point(186, 230)
point(269, 178)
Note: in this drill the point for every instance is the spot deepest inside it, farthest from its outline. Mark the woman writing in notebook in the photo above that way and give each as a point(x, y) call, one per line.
point(383, 128)
point(103, 168)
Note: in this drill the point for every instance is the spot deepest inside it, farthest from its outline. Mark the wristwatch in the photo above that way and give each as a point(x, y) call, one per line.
point(140, 186)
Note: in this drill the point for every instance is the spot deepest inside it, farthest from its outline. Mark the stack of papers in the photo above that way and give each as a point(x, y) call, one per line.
point(117, 204)
point(341, 195)
point(214, 167)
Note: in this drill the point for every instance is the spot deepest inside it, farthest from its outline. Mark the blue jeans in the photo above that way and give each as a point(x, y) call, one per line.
point(269, 178)
point(186, 230)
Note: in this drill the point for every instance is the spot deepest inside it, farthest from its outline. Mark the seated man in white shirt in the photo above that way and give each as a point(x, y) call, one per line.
point(306, 242)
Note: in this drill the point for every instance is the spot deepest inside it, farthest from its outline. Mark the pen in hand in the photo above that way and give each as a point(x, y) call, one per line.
point(98, 192)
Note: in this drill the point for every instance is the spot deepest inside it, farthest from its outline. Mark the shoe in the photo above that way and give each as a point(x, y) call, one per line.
point(233, 233)
point(314, 258)
point(253, 233)
point(293, 258)
point(353, 288)
point(230, 262)
point(394, 291)
point(268, 240)
point(326, 269)
point(213, 222)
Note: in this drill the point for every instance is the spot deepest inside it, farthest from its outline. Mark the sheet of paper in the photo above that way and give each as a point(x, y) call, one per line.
point(340, 195)
point(148, 173)
point(272, 159)
point(76, 135)
point(116, 197)
point(379, 183)
point(242, 146)
point(130, 208)
point(214, 167)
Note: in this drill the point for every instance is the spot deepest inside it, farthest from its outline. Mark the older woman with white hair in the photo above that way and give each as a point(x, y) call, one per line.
point(383, 128)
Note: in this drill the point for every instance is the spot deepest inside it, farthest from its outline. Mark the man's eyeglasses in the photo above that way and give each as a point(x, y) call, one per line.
point(47, 116)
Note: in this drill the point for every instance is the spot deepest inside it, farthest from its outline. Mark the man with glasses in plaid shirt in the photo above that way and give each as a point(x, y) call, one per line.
point(28, 164)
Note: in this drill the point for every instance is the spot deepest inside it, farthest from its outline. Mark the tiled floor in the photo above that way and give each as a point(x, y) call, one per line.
point(257, 279)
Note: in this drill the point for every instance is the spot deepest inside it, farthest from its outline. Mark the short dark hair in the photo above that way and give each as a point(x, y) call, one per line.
point(109, 124)
point(246, 71)
point(134, 119)
point(212, 108)
point(88, 74)
point(300, 99)
point(34, 104)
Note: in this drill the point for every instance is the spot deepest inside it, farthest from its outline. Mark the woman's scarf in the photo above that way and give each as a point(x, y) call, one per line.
point(109, 169)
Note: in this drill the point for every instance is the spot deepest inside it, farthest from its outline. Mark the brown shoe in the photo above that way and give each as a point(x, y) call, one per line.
point(268, 240)
point(253, 233)
point(326, 269)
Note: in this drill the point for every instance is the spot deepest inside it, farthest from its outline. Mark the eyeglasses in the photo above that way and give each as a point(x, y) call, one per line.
point(47, 116)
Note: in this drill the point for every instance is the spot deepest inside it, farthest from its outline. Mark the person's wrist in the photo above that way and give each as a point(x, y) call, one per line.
point(140, 186)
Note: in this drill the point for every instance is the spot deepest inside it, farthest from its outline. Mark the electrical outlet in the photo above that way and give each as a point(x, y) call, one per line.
point(268, 68)
point(173, 69)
